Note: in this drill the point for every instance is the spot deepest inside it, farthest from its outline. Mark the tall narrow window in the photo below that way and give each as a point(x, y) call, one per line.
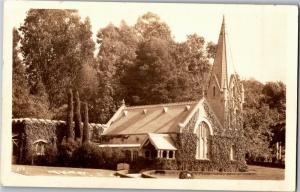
point(135, 155)
point(203, 147)
point(214, 91)
point(128, 155)
point(233, 91)
point(232, 153)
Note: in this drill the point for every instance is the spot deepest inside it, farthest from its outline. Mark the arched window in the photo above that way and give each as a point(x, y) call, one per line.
point(203, 147)
point(233, 91)
point(40, 147)
point(234, 118)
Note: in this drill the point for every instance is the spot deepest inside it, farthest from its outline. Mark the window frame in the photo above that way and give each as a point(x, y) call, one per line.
point(202, 141)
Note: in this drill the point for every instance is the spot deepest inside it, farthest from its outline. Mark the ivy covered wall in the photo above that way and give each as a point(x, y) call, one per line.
point(50, 131)
point(220, 144)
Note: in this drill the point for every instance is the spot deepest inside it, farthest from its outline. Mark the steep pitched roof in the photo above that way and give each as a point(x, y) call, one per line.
point(162, 118)
point(220, 62)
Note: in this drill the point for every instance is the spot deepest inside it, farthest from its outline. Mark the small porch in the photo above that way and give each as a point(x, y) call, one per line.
point(158, 146)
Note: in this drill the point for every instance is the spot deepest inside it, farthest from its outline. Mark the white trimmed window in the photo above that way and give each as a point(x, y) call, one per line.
point(203, 147)
point(232, 153)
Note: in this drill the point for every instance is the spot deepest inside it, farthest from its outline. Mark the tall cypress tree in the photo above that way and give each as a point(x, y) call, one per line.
point(70, 133)
point(77, 118)
point(85, 134)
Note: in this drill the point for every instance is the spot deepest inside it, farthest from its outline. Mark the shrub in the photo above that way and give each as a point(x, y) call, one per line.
point(65, 152)
point(48, 159)
point(112, 157)
point(88, 155)
point(142, 163)
point(166, 164)
point(51, 155)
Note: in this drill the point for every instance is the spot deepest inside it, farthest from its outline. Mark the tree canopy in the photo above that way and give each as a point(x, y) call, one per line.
point(264, 117)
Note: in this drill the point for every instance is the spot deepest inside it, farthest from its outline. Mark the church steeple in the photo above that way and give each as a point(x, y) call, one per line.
point(217, 90)
point(220, 61)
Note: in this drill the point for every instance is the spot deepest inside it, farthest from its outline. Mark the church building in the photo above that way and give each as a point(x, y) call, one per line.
point(154, 132)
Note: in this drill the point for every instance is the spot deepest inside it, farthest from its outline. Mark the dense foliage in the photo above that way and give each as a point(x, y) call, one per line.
point(141, 64)
point(264, 118)
point(53, 51)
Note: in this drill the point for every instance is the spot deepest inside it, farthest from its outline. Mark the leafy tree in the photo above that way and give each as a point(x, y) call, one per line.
point(153, 70)
point(264, 118)
point(149, 25)
point(54, 45)
point(274, 93)
point(192, 66)
point(253, 118)
point(211, 49)
point(20, 88)
point(275, 97)
point(117, 53)
point(24, 103)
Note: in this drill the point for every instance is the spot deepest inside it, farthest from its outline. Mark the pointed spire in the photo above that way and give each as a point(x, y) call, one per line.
point(220, 61)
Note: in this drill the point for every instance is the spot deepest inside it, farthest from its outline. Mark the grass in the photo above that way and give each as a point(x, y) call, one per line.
point(260, 173)
point(61, 171)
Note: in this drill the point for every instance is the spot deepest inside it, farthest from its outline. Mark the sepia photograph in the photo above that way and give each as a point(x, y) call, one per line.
point(149, 95)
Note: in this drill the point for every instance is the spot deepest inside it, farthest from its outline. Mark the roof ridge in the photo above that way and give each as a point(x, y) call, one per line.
point(161, 104)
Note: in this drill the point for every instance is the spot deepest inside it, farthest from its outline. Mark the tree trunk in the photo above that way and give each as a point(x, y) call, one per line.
point(85, 134)
point(70, 132)
point(77, 118)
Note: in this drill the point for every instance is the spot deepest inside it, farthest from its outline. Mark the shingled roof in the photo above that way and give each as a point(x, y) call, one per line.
point(161, 118)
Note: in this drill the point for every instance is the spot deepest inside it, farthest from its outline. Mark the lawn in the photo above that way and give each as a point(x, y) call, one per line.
point(260, 173)
point(61, 171)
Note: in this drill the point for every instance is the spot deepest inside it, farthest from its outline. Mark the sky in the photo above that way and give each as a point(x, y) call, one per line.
point(257, 35)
